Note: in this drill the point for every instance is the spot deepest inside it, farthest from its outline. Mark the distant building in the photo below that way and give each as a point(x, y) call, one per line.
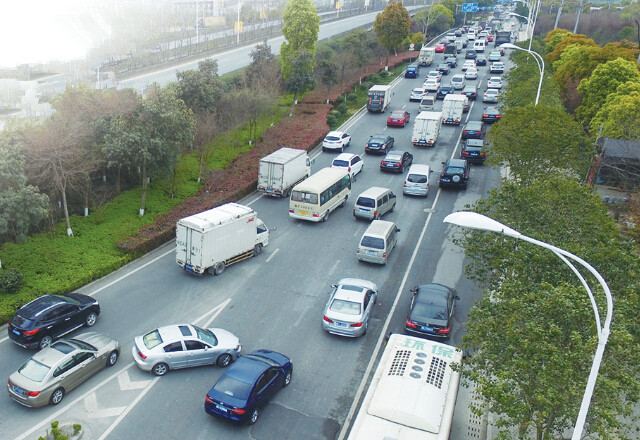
point(205, 8)
point(618, 164)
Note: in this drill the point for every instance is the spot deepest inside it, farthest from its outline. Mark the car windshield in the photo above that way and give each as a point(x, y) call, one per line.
point(332, 138)
point(366, 202)
point(340, 163)
point(152, 339)
point(417, 178)
point(346, 307)
point(233, 387)
point(454, 170)
point(34, 370)
point(304, 197)
point(206, 336)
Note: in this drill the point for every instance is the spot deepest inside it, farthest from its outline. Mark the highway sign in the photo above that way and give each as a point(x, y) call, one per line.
point(469, 7)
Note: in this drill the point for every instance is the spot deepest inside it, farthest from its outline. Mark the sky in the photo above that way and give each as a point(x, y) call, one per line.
point(37, 31)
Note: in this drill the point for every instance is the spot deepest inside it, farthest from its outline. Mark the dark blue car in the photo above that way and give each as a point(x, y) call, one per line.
point(247, 385)
point(412, 71)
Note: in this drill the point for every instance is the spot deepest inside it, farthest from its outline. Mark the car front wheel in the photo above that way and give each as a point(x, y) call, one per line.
point(160, 369)
point(224, 360)
point(91, 319)
point(287, 378)
point(112, 359)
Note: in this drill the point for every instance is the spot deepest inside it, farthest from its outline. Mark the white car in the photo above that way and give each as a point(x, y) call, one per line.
point(417, 94)
point(431, 85)
point(495, 82)
point(350, 162)
point(491, 95)
point(496, 67)
point(458, 81)
point(336, 140)
point(471, 73)
point(434, 74)
point(467, 64)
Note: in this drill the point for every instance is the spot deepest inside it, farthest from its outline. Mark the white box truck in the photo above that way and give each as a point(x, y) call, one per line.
point(282, 170)
point(427, 55)
point(214, 239)
point(453, 107)
point(426, 129)
point(379, 98)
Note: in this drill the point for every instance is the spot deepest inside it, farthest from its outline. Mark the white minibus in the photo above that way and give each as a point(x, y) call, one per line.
point(315, 198)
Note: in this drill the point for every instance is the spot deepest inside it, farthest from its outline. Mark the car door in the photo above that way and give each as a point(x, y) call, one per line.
point(369, 301)
point(267, 385)
point(356, 165)
point(199, 353)
point(69, 318)
point(84, 366)
point(175, 356)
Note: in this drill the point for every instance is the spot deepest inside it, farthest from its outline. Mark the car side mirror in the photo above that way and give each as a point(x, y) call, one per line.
point(413, 290)
point(442, 163)
point(334, 286)
point(457, 297)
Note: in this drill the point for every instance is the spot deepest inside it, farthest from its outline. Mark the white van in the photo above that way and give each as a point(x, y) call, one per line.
point(417, 181)
point(471, 35)
point(377, 242)
point(374, 202)
point(479, 45)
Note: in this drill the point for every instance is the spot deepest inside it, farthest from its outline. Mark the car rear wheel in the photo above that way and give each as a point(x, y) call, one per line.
point(254, 416)
point(91, 319)
point(45, 342)
point(56, 396)
point(224, 360)
point(112, 359)
point(287, 378)
point(160, 369)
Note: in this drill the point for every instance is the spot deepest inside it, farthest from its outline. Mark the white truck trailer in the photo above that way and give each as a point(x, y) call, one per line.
point(379, 98)
point(453, 107)
point(427, 55)
point(426, 129)
point(282, 170)
point(214, 239)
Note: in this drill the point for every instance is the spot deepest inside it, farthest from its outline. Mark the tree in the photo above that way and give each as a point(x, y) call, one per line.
point(524, 80)
point(326, 68)
point(554, 37)
point(358, 44)
point(441, 18)
point(152, 138)
point(392, 26)
point(300, 30)
point(620, 114)
point(603, 81)
point(575, 63)
point(264, 70)
point(200, 89)
point(300, 74)
point(535, 141)
point(573, 39)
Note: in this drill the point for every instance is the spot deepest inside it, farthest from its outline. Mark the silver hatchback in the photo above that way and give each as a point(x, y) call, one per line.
point(349, 307)
point(184, 345)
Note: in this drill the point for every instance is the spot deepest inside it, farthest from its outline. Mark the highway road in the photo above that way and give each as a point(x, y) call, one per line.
point(273, 301)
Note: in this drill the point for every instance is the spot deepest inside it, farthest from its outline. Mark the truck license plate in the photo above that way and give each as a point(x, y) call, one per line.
point(303, 212)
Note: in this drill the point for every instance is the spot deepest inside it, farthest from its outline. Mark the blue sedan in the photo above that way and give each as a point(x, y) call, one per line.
point(247, 385)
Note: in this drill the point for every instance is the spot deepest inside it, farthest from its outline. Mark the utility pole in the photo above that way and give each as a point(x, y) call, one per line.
point(575, 28)
point(558, 12)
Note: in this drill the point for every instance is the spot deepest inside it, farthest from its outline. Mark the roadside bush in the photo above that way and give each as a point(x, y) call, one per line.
point(10, 281)
point(342, 108)
point(374, 78)
point(384, 74)
point(340, 99)
point(332, 120)
point(351, 97)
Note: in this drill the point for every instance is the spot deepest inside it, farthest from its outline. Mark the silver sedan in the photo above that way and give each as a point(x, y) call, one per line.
point(182, 346)
point(349, 307)
point(54, 371)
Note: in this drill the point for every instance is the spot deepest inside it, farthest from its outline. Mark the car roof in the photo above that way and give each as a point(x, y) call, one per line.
point(175, 332)
point(344, 156)
point(379, 136)
point(374, 191)
point(450, 163)
point(246, 369)
point(495, 78)
point(475, 142)
point(335, 133)
point(38, 306)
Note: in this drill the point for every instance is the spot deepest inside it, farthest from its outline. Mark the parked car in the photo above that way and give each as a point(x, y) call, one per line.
point(490, 95)
point(440, 47)
point(473, 151)
point(59, 368)
point(443, 68)
point(38, 323)
point(468, 65)
point(242, 391)
point(473, 130)
point(470, 91)
point(481, 60)
point(353, 163)
point(398, 118)
point(336, 140)
point(431, 310)
point(417, 94)
point(379, 143)
point(491, 114)
point(495, 82)
point(451, 61)
point(396, 161)
point(470, 54)
point(455, 172)
point(182, 346)
point(444, 91)
point(431, 85)
point(496, 68)
point(471, 73)
point(349, 307)
point(494, 56)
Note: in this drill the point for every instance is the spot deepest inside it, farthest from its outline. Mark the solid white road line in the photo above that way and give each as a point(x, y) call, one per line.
point(273, 254)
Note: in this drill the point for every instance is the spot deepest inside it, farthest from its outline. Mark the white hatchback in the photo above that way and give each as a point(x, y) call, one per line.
point(336, 140)
point(458, 81)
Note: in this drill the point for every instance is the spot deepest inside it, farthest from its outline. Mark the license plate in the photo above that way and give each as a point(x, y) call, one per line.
point(445, 179)
point(364, 210)
point(474, 154)
point(188, 266)
point(221, 408)
point(341, 324)
point(270, 190)
point(18, 390)
point(427, 329)
point(303, 212)
point(372, 252)
point(17, 332)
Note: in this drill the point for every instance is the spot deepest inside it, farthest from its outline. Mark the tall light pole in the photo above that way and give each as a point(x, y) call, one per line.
point(539, 61)
point(474, 220)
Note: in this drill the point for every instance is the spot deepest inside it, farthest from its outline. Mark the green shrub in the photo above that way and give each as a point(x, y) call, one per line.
point(334, 112)
point(10, 280)
point(77, 427)
point(374, 78)
point(340, 99)
point(384, 74)
point(351, 97)
point(332, 120)
point(342, 108)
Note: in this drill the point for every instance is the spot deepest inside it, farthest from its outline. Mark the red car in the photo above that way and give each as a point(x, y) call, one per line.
point(490, 38)
point(398, 118)
point(440, 47)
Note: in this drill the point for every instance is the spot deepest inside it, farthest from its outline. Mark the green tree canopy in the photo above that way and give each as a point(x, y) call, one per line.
point(569, 40)
point(301, 74)
point(535, 141)
point(441, 17)
point(300, 30)
point(523, 82)
point(620, 114)
point(200, 89)
point(392, 26)
point(554, 37)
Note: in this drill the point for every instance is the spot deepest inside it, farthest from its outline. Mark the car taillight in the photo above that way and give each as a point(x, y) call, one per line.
point(349, 169)
point(291, 210)
point(411, 324)
point(238, 411)
point(30, 332)
point(208, 399)
point(382, 162)
point(444, 330)
point(498, 116)
point(465, 153)
point(405, 183)
point(357, 324)
point(32, 393)
point(484, 116)
point(327, 319)
point(316, 215)
point(141, 355)
point(384, 255)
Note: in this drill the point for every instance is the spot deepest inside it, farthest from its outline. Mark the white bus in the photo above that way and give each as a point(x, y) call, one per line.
point(315, 198)
point(413, 393)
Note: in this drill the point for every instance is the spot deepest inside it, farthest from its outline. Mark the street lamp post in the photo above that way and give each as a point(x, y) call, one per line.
point(539, 61)
point(474, 220)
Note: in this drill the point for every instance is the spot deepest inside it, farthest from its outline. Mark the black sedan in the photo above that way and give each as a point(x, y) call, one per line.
point(473, 130)
point(473, 151)
point(444, 91)
point(443, 68)
point(38, 323)
point(379, 143)
point(431, 311)
point(491, 114)
point(470, 91)
point(470, 54)
point(396, 161)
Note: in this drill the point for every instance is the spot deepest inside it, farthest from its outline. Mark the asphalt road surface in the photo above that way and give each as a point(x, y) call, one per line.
point(273, 301)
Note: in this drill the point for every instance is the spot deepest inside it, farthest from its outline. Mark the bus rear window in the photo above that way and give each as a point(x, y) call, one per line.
point(304, 197)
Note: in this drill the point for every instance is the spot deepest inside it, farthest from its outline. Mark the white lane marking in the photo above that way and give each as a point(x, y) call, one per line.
point(273, 254)
point(125, 382)
point(254, 200)
point(219, 310)
point(91, 406)
point(369, 369)
point(216, 311)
